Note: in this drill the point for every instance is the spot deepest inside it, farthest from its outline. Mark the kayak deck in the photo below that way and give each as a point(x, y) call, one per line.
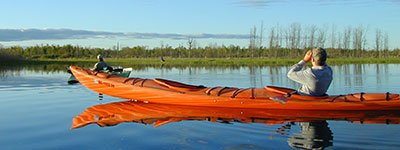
point(171, 92)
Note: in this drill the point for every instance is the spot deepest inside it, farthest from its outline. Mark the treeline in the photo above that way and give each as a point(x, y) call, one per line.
point(282, 42)
point(70, 51)
point(8, 55)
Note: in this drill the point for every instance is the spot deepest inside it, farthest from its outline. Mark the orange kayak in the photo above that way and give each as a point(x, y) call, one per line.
point(160, 114)
point(171, 92)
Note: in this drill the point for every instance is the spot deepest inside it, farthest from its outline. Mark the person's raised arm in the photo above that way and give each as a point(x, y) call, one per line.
point(308, 56)
point(296, 74)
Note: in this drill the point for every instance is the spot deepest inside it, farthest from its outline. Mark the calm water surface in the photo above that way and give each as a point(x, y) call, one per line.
point(37, 108)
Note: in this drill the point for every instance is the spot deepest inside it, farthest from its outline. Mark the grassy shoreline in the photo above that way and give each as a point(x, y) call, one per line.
point(212, 61)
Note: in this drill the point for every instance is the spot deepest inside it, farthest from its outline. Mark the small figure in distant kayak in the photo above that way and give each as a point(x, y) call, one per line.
point(101, 65)
point(316, 80)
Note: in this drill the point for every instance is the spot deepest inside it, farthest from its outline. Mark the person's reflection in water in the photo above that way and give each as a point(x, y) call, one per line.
point(314, 135)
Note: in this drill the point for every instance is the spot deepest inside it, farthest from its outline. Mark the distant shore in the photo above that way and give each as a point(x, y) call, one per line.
point(213, 61)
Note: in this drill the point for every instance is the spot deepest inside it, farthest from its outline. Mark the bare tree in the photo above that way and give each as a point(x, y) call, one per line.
point(260, 37)
point(313, 29)
point(272, 38)
point(298, 37)
point(321, 39)
point(346, 38)
point(359, 38)
point(333, 36)
point(364, 38)
point(294, 35)
point(339, 39)
point(291, 34)
point(287, 37)
point(386, 41)
point(190, 43)
point(279, 36)
point(378, 39)
point(305, 38)
point(253, 37)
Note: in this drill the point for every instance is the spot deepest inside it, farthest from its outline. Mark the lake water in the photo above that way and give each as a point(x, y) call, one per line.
point(37, 106)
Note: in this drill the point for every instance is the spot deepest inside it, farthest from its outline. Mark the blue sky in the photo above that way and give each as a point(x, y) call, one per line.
point(103, 23)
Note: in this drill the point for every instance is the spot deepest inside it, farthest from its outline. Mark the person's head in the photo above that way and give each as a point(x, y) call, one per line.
point(319, 56)
point(99, 57)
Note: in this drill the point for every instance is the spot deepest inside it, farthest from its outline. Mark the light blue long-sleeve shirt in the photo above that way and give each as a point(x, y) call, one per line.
point(315, 81)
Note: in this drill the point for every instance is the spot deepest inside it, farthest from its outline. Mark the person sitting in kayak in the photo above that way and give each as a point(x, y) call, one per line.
point(315, 80)
point(101, 65)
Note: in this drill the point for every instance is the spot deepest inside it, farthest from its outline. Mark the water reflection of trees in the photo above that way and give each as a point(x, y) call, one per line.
point(6, 71)
point(350, 77)
point(358, 72)
point(358, 77)
point(382, 72)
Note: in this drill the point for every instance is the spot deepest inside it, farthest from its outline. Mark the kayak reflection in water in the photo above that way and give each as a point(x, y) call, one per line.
point(314, 135)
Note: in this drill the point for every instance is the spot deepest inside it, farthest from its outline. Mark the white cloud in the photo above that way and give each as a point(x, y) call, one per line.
point(7, 35)
point(257, 3)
